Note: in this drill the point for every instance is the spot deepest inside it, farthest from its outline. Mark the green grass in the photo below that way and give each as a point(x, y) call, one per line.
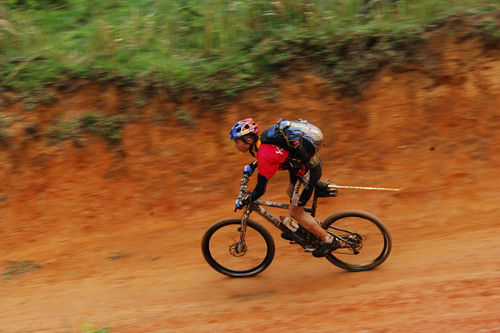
point(215, 48)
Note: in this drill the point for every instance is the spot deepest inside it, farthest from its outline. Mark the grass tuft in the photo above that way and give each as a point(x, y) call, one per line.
point(117, 256)
point(5, 135)
point(89, 328)
point(20, 267)
point(107, 127)
point(489, 31)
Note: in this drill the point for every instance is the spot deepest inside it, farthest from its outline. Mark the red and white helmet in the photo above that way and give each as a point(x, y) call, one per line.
point(243, 127)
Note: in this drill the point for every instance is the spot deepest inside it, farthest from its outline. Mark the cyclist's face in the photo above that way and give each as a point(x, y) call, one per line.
point(242, 145)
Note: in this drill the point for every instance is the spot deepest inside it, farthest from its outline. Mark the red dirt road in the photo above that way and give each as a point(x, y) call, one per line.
point(147, 206)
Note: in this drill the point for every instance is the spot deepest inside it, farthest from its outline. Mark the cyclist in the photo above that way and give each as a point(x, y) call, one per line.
point(304, 174)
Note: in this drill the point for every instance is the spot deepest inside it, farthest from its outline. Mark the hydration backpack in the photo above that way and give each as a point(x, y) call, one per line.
point(300, 138)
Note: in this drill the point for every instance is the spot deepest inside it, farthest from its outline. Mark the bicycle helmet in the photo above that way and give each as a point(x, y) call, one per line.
point(243, 127)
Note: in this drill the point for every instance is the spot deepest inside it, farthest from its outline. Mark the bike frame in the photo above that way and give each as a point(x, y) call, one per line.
point(256, 206)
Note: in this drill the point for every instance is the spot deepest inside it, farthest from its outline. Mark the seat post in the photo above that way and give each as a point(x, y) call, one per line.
point(314, 205)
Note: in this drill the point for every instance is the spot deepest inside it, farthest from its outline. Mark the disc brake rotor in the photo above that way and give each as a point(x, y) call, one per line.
point(238, 249)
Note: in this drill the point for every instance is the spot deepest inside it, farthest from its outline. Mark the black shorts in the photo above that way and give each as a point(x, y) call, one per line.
point(303, 186)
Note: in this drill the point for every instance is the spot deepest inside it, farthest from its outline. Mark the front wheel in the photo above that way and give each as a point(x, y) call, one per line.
point(229, 254)
point(365, 242)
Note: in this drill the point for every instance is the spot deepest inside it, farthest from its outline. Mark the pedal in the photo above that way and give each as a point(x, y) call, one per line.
point(309, 249)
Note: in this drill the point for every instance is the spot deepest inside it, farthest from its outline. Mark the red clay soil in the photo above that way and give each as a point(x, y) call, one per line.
point(148, 203)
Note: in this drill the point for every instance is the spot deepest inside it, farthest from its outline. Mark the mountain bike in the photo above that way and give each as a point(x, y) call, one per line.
point(242, 247)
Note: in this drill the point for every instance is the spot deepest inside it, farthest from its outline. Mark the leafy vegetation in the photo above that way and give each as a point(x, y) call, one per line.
point(489, 31)
point(62, 131)
point(215, 48)
point(107, 127)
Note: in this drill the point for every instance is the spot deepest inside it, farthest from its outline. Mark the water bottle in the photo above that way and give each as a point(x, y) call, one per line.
point(289, 223)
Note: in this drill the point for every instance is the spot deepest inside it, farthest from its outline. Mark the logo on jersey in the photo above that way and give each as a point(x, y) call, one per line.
point(279, 151)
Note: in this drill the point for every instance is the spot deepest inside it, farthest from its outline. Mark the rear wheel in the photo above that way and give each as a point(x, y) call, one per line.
point(225, 252)
point(365, 242)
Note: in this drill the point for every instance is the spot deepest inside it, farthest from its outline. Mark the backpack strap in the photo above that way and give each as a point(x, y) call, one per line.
point(254, 148)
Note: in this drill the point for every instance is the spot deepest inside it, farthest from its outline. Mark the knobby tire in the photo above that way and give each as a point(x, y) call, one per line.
point(364, 216)
point(251, 225)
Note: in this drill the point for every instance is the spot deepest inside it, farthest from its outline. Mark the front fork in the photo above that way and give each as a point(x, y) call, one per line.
point(241, 245)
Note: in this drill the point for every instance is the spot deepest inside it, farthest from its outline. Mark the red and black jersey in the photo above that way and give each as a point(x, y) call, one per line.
point(271, 158)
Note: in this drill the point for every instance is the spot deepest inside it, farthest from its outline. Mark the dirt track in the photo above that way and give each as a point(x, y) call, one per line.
point(75, 209)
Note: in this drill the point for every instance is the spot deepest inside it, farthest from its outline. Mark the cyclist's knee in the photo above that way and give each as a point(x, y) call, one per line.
point(296, 212)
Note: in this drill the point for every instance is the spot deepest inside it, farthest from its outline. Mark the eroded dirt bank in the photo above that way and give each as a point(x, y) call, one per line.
point(435, 130)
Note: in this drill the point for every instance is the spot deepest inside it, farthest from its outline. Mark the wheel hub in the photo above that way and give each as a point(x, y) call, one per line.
point(238, 249)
